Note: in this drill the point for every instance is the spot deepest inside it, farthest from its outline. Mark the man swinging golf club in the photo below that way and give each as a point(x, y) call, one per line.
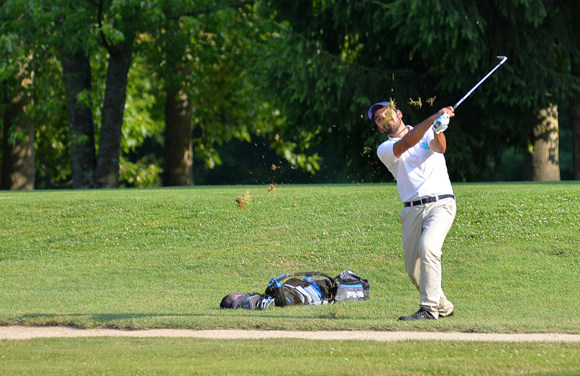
point(414, 155)
point(415, 158)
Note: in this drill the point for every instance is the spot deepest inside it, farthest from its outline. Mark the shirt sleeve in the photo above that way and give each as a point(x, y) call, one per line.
point(386, 154)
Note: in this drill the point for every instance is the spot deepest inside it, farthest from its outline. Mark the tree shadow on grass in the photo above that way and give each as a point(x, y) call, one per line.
point(70, 318)
point(108, 320)
point(106, 316)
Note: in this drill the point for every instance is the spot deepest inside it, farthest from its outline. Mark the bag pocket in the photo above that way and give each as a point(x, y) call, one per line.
point(234, 300)
point(351, 287)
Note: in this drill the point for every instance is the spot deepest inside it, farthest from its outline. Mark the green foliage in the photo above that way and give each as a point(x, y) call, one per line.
point(300, 74)
point(337, 58)
point(225, 85)
point(141, 122)
point(10, 52)
point(144, 173)
point(217, 43)
point(27, 69)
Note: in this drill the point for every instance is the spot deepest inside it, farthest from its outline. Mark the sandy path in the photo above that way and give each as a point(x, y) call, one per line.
point(24, 332)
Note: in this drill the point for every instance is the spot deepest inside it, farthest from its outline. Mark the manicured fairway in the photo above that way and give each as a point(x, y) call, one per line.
point(171, 356)
point(165, 257)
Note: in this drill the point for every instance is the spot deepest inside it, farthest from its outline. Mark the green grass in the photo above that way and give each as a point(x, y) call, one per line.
point(158, 258)
point(181, 356)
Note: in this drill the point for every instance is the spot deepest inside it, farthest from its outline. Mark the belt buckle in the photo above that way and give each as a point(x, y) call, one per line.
point(428, 200)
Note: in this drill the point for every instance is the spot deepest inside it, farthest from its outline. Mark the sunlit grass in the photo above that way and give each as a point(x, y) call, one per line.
point(143, 258)
point(183, 356)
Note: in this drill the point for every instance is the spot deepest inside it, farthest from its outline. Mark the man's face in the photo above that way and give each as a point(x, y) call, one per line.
point(388, 119)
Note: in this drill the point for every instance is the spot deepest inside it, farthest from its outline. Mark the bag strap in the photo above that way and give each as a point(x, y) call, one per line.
point(303, 274)
point(274, 286)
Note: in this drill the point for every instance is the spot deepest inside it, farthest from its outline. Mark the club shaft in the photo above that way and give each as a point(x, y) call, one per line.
point(479, 83)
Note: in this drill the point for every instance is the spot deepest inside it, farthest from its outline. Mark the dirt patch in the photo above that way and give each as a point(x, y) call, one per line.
point(26, 332)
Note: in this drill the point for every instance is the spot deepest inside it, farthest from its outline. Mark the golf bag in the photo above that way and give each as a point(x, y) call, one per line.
point(315, 288)
point(244, 300)
point(305, 288)
point(350, 286)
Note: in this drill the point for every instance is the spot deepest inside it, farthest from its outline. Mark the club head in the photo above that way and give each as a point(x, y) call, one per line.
point(502, 58)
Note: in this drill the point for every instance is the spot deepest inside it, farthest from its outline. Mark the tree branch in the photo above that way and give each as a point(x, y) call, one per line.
point(236, 4)
point(102, 39)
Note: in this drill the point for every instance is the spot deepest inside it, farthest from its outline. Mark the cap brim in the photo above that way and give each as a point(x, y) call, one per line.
point(375, 107)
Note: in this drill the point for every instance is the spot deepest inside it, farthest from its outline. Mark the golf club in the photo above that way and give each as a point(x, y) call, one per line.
point(442, 121)
point(503, 59)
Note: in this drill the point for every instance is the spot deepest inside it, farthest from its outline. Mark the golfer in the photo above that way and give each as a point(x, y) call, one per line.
point(414, 155)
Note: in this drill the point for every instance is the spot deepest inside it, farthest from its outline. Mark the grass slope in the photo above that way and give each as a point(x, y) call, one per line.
point(166, 257)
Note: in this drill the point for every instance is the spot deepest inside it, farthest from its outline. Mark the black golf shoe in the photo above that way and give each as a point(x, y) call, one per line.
point(421, 314)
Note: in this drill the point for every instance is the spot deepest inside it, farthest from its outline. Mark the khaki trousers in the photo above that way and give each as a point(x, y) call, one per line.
point(425, 228)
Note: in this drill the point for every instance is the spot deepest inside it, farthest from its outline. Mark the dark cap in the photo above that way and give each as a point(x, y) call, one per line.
point(376, 106)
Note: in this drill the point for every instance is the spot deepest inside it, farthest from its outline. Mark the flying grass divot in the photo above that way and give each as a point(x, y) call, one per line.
point(244, 200)
point(389, 112)
point(419, 103)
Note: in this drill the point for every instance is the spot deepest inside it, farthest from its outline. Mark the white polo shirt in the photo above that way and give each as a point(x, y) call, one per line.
point(420, 172)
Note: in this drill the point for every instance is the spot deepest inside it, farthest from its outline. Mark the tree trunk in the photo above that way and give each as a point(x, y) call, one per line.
point(178, 148)
point(574, 114)
point(107, 174)
point(574, 111)
point(18, 159)
point(77, 78)
point(1, 147)
point(543, 159)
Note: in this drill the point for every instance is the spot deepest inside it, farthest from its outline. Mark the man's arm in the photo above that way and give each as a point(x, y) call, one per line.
point(439, 143)
point(417, 133)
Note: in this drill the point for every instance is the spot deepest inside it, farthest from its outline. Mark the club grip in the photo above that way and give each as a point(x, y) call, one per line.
point(441, 124)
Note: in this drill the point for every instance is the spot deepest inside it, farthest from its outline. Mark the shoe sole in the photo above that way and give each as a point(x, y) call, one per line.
point(423, 319)
point(426, 316)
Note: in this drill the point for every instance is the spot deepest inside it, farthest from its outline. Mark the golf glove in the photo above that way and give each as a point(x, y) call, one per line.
point(441, 124)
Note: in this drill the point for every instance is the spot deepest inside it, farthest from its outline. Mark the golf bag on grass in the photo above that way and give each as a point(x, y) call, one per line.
point(315, 288)
point(304, 288)
point(244, 300)
point(350, 286)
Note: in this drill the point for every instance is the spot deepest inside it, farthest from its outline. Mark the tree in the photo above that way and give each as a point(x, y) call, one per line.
point(347, 55)
point(18, 146)
point(540, 47)
point(17, 162)
point(574, 14)
point(213, 94)
point(20, 72)
point(125, 21)
point(543, 156)
point(212, 85)
point(76, 69)
point(172, 51)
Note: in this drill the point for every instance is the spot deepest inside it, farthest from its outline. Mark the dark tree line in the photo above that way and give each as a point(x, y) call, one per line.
point(88, 84)
point(341, 56)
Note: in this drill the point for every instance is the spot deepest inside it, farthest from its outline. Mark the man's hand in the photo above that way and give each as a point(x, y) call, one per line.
point(415, 135)
point(441, 124)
